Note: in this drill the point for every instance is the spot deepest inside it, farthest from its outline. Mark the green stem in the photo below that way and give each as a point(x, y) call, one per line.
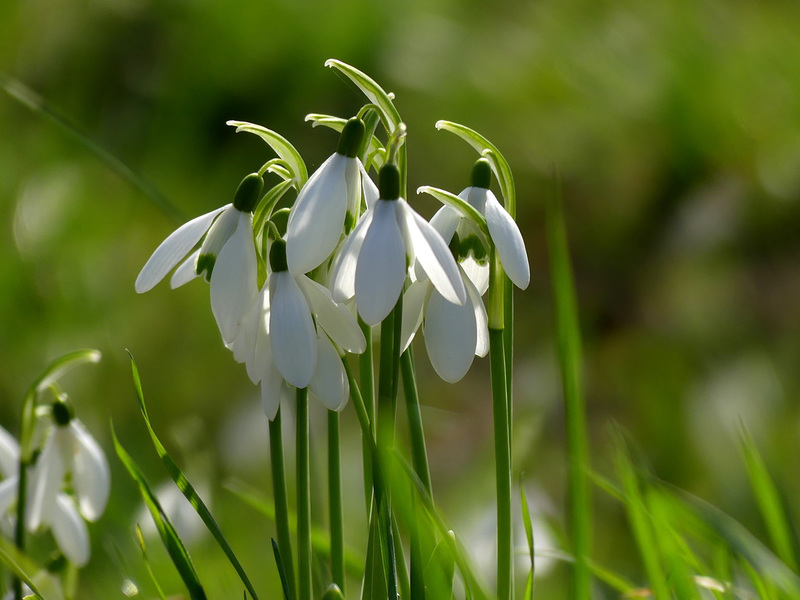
point(303, 497)
point(281, 502)
point(367, 378)
point(502, 452)
point(419, 453)
point(569, 354)
point(335, 496)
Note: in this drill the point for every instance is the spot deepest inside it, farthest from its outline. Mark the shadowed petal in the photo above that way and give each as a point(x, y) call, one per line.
point(477, 273)
point(336, 319)
point(445, 221)
point(481, 318)
point(381, 268)
point(46, 481)
point(450, 336)
point(508, 242)
point(233, 282)
point(344, 275)
point(272, 389)
point(9, 454)
point(291, 330)
point(91, 475)
point(173, 249)
point(434, 256)
point(329, 383)
point(413, 303)
point(186, 272)
point(8, 494)
point(70, 531)
point(371, 192)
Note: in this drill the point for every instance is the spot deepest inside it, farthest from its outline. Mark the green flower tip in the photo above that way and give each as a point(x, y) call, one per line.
point(389, 182)
point(248, 193)
point(205, 263)
point(351, 137)
point(63, 411)
point(277, 256)
point(482, 174)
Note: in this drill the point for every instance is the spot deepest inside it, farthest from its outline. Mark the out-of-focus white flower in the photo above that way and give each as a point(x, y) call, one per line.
point(389, 237)
point(227, 257)
point(179, 511)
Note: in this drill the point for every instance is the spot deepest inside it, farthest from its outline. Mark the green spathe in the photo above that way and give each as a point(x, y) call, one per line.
point(277, 256)
point(389, 182)
point(248, 193)
point(482, 174)
point(351, 137)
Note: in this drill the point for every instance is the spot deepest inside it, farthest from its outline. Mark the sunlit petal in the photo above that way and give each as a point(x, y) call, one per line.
point(46, 481)
point(508, 242)
point(381, 268)
point(186, 272)
point(413, 303)
point(291, 330)
point(173, 249)
point(233, 283)
point(329, 383)
point(272, 385)
point(91, 474)
point(434, 256)
point(344, 275)
point(371, 192)
point(316, 221)
point(481, 318)
point(478, 273)
point(450, 336)
point(70, 531)
point(336, 319)
point(445, 221)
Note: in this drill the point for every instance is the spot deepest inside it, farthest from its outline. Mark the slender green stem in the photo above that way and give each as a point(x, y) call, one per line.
point(367, 378)
point(19, 532)
point(335, 500)
point(419, 453)
point(502, 455)
point(281, 502)
point(303, 497)
point(387, 379)
point(569, 354)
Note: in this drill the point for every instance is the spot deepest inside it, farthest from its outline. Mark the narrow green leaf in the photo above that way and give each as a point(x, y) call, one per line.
point(187, 489)
point(526, 520)
point(499, 164)
point(773, 510)
point(281, 570)
point(146, 558)
point(441, 569)
point(281, 146)
point(268, 203)
point(21, 566)
point(372, 91)
point(177, 551)
point(464, 208)
point(333, 593)
point(337, 124)
point(612, 579)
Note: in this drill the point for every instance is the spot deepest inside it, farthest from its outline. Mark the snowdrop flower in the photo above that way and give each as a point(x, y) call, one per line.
point(503, 230)
point(389, 237)
point(288, 333)
point(227, 257)
point(60, 513)
point(329, 203)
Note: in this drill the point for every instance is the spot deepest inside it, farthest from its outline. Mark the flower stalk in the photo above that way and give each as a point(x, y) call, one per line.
point(303, 497)
point(335, 501)
point(281, 501)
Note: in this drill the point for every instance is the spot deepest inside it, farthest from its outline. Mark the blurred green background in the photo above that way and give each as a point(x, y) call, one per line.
point(673, 127)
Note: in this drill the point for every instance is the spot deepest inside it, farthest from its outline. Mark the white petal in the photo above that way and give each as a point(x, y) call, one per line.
point(381, 268)
point(478, 273)
point(336, 319)
point(220, 232)
point(91, 475)
point(70, 531)
point(508, 242)
point(344, 275)
point(413, 303)
point(450, 337)
point(476, 197)
point(46, 481)
point(445, 221)
point(329, 383)
point(291, 330)
point(244, 345)
point(9, 454)
point(272, 385)
point(481, 318)
point(262, 352)
point(186, 272)
point(173, 249)
point(8, 494)
point(434, 256)
point(233, 282)
point(371, 192)
point(316, 221)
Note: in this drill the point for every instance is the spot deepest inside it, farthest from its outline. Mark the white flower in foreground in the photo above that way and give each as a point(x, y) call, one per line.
point(329, 203)
point(227, 256)
point(61, 516)
point(374, 260)
point(289, 335)
point(503, 230)
point(454, 334)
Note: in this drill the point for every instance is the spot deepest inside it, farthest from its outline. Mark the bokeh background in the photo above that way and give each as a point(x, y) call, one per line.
point(673, 128)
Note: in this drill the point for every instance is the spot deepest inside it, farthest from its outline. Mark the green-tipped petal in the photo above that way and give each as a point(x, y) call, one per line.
point(508, 242)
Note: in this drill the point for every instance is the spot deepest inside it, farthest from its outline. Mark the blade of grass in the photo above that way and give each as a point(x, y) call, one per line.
point(186, 487)
point(281, 570)
point(526, 521)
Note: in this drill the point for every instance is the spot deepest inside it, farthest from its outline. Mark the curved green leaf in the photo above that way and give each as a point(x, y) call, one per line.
point(526, 520)
point(499, 164)
point(280, 145)
point(375, 93)
point(462, 206)
point(337, 124)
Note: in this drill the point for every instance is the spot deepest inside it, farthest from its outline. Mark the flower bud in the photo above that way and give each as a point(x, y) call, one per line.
point(248, 193)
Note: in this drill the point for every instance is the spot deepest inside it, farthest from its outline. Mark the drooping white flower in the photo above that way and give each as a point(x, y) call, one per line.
point(226, 256)
point(503, 230)
point(375, 258)
point(328, 205)
point(287, 337)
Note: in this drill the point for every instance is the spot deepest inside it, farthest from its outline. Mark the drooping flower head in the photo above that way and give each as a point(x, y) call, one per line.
point(388, 238)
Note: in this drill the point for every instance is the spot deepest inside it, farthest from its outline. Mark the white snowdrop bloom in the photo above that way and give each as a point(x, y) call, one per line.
point(375, 258)
point(227, 257)
point(328, 205)
point(289, 337)
point(59, 514)
point(454, 334)
point(503, 230)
